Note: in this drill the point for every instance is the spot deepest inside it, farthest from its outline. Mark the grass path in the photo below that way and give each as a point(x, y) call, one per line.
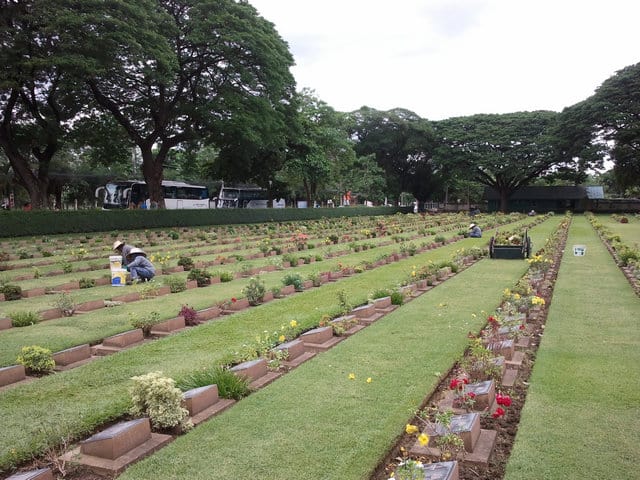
point(582, 414)
point(315, 423)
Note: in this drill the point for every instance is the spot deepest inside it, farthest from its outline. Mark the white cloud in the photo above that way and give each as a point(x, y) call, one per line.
point(444, 58)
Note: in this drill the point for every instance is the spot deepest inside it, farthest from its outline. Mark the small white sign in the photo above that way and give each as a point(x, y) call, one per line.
point(579, 250)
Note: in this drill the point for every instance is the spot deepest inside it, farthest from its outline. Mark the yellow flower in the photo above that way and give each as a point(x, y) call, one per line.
point(369, 380)
point(423, 438)
point(446, 455)
point(352, 376)
point(410, 429)
point(293, 324)
point(473, 315)
point(281, 338)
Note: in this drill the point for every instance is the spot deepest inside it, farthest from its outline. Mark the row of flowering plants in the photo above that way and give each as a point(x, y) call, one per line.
point(480, 371)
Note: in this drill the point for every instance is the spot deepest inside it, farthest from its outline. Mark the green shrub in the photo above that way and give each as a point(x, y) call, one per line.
point(176, 284)
point(380, 293)
point(293, 279)
point(226, 276)
point(11, 292)
point(185, 262)
point(146, 322)
point(87, 283)
point(254, 291)
point(229, 384)
point(157, 397)
point(291, 258)
point(172, 234)
point(66, 304)
point(439, 239)
point(201, 276)
point(37, 360)
point(24, 319)
point(397, 298)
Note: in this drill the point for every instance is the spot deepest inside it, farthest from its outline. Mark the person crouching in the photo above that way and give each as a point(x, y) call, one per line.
point(139, 266)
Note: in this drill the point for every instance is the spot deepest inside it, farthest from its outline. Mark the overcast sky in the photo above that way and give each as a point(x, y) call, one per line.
point(447, 58)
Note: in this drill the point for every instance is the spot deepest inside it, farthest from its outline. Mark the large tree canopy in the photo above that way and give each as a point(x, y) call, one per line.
point(609, 124)
point(226, 78)
point(403, 144)
point(504, 152)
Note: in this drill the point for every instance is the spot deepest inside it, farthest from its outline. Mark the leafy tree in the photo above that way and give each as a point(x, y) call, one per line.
point(321, 151)
point(504, 152)
point(223, 76)
point(403, 144)
point(46, 49)
point(609, 124)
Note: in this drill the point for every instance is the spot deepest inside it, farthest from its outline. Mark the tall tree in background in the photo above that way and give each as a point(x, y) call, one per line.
point(47, 48)
point(504, 152)
point(403, 144)
point(319, 152)
point(609, 123)
point(225, 77)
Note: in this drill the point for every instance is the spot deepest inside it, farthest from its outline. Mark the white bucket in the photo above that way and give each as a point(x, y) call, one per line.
point(115, 262)
point(118, 277)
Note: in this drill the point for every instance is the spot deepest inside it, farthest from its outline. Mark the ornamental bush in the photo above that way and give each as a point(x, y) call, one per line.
point(254, 291)
point(295, 280)
point(24, 319)
point(37, 360)
point(157, 397)
point(11, 292)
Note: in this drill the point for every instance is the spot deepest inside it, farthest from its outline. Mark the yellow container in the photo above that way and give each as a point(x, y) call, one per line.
point(118, 277)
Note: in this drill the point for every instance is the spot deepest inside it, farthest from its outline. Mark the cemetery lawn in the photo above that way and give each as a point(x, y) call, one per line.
point(77, 402)
point(582, 414)
point(315, 422)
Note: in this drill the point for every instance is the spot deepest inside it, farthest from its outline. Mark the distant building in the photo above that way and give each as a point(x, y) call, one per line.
point(548, 199)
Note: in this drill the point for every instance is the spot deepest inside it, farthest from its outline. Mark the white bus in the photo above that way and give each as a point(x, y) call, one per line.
point(242, 196)
point(134, 194)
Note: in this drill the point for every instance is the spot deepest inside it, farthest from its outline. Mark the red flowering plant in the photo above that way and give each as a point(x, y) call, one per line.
point(503, 401)
point(462, 398)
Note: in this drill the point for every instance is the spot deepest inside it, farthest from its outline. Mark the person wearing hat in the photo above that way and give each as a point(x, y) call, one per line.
point(123, 249)
point(475, 231)
point(139, 266)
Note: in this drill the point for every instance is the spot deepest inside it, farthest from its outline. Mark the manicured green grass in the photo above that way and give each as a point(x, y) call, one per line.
point(582, 414)
point(629, 232)
point(75, 402)
point(315, 422)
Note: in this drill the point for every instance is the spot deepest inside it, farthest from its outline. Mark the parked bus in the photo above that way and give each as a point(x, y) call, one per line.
point(244, 196)
point(134, 194)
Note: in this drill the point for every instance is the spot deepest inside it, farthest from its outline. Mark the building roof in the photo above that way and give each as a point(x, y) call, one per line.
point(549, 193)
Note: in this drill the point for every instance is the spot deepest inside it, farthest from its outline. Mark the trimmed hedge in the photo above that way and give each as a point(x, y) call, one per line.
point(45, 222)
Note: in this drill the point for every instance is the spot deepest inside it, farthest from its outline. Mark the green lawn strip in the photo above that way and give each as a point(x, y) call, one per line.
point(315, 422)
point(582, 414)
point(74, 402)
point(629, 232)
point(92, 327)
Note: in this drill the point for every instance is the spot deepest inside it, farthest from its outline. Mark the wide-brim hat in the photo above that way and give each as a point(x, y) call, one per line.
point(117, 244)
point(472, 225)
point(136, 251)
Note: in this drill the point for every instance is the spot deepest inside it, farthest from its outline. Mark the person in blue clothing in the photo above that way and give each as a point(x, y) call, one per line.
point(123, 249)
point(139, 266)
point(475, 231)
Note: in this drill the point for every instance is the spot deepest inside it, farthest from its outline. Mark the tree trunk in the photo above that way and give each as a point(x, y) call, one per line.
point(504, 200)
point(152, 169)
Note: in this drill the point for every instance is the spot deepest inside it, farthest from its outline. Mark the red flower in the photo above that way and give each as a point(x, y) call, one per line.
point(233, 300)
point(522, 327)
point(504, 400)
point(492, 319)
point(498, 413)
point(471, 395)
point(454, 384)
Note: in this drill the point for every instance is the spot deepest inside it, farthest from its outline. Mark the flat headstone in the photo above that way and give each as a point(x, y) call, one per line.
point(294, 348)
point(34, 292)
point(124, 339)
point(252, 370)
point(317, 335)
point(91, 305)
point(198, 399)
point(50, 314)
point(441, 471)
point(288, 290)
point(12, 374)
point(72, 355)
point(39, 474)
point(382, 303)
point(170, 325)
point(5, 323)
point(209, 313)
point(364, 311)
point(118, 439)
point(485, 393)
